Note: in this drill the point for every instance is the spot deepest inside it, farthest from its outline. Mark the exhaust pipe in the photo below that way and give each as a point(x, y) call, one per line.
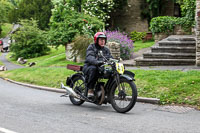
point(69, 91)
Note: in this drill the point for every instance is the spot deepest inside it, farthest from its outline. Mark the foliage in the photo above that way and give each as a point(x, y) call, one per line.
point(14, 2)
point(80, 45)
point(65, 23)
point(187, 21)
point(37, 9)
point(162, 24)
point(126, 44)
point(166, 24)
point(0, 29)
point(136, 36)
point(6, 28)
point(152, 8)
point(188, 8)
point(29, 40)
point(4, 9)
point(99, 8)
point(102, 9)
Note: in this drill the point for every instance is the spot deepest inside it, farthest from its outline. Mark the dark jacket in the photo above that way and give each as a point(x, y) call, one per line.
point(93, 54)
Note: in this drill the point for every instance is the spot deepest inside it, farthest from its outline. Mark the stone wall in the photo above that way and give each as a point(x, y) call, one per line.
point(130, 19)
point(114, 49)
point(198, 32)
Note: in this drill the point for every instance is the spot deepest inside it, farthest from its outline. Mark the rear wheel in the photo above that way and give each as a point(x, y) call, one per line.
point(78, 86)
point(124, 100)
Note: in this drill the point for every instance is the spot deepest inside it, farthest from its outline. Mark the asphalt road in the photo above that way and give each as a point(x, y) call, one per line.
point(27, 110)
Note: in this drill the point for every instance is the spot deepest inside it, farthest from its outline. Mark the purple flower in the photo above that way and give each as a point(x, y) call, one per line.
point(126, 44)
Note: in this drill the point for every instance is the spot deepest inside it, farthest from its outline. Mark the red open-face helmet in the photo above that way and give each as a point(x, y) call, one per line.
point(99, 35)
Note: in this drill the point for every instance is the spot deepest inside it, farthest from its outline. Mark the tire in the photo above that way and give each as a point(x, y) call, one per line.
point(78, 86)
point(127, 95)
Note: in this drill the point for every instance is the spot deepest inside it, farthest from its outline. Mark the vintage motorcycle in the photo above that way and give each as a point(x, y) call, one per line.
point(114, 86)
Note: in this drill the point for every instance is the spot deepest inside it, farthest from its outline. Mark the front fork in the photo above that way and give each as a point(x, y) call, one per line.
point(117, 78)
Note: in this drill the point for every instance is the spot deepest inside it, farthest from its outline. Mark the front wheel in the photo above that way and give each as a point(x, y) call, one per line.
point(123, 99)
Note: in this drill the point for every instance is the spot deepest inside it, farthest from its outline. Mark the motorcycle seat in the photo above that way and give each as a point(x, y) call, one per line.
point(74, 67)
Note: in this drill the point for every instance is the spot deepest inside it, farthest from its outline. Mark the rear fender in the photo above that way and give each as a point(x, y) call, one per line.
point(70, 79)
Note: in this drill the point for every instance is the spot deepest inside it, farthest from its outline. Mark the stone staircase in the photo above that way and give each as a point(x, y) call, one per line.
point(174, 50)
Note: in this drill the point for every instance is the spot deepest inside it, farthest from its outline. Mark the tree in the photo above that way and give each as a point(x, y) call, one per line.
point(37, 9)
point(66, 22)
point(29, 40)
point(4, 9)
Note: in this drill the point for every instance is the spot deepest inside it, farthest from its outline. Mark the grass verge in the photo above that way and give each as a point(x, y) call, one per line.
point(171, 87)
point(138, 45)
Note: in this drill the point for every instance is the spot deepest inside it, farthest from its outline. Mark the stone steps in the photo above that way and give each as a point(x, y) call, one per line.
point(164, 62)
point(174, 50)
point(169, 56)
point(177, 43)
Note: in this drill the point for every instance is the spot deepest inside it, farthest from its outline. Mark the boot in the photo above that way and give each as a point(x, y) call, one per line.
point(90, 93)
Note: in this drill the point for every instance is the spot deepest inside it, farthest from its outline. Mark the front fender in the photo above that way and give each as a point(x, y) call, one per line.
point(130, 74)
point(129, 78)
point(70, 79)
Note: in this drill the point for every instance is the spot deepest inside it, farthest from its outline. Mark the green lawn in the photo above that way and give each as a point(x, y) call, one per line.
point(56, 57)
point(138, 45)
point(6, 28)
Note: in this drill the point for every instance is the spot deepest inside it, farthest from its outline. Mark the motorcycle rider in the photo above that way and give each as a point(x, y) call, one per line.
point(94, 59)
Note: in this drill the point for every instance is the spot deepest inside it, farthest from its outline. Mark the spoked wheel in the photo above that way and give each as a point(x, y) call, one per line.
point(78, 86)
point(124, 100)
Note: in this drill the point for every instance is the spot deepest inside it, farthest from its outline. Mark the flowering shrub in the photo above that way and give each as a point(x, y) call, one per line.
point(126, 44)
point(66, 22)
point(99, 8)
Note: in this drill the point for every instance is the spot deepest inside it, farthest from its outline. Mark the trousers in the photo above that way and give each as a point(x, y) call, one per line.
point(91, 75)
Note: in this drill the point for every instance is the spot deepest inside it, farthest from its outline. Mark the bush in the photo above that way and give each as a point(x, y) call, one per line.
point(39, 10)
point(137, 36)
point(99, 8)
point(166, 24)
point(126, 44)
point(29, 40)
point(80, 46)
point(66, 23)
